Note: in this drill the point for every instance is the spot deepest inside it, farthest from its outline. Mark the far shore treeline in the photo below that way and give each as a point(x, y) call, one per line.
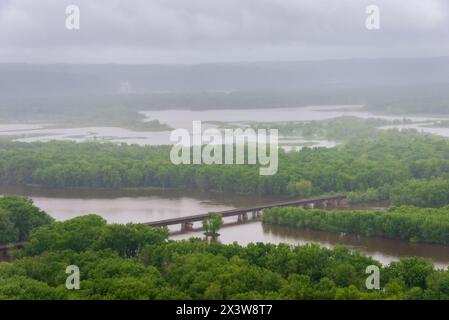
point(405, 168)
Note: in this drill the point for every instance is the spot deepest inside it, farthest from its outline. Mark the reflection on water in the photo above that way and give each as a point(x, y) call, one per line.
point(122, 206)
point(381, 249)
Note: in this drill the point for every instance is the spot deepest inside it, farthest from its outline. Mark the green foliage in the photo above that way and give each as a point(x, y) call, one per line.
point(368, 167)
point(407, 223)
point(195, 269)
point(306, 272)
point(421, 193)
point(343, 128)
point(8, 231)
point(23, 288)
point(212, 224)
point(301, 188)
point(92, 232)
point(128, 240)
point(413, 272)
point(18, 216)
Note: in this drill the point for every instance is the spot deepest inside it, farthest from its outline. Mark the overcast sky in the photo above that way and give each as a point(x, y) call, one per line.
point(195, 31)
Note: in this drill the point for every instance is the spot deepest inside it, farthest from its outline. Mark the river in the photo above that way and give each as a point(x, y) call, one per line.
point(151, 205)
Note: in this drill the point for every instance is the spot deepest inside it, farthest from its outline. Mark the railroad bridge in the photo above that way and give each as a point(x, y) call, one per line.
point(186, 223)
point(327, 202)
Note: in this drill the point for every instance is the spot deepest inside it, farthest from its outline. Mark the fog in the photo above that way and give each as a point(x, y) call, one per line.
point(200, 31)
point(220, 54)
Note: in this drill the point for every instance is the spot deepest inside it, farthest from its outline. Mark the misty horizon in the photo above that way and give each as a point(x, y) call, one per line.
point(197, 32)
point(237, 62)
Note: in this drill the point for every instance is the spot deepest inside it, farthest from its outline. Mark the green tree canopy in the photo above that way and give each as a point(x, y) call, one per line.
point(18, 216)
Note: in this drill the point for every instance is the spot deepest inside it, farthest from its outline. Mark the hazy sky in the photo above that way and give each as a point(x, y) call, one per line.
point(193, 31)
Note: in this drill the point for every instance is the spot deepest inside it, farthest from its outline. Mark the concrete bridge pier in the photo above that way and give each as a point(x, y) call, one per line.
point(255, 214)
point(187, 226)
point(310, 205)
point(326, 204)
point(335, 203)
point(242, 218)
point(339, 202)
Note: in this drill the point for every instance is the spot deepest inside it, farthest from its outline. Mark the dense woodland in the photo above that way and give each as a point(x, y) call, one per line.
point(405, 223)
point(138, 262)
point(18, 216)
point(386, 167)
point(342, 129)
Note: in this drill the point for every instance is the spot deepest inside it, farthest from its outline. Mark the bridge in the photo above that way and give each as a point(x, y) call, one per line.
point(327, 202)
point(186, 223)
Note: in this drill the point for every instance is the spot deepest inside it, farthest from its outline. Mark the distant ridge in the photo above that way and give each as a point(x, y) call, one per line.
point(66, 79)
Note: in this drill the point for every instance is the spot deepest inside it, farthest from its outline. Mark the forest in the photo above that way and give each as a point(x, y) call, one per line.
point(406, 223)
point(138, 262)
point(342, 129)
point(385, 167)
point(18, 216)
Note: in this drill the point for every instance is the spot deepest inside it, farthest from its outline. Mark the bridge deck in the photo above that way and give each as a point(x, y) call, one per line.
point(235, 212)
point(201, 217)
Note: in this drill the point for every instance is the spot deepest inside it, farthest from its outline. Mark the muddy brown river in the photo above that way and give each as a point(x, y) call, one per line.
point(150, 205)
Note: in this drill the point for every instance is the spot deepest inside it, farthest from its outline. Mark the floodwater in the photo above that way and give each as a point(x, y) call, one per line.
point(423, 128)
point(100, 134)
point(152, 205)
point(182, 119)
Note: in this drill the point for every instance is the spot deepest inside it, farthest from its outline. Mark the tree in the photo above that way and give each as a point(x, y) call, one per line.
point(8, 231)
point(78, 234)
point(128, 240)
point(92, 232)
point(23, 288)
point(406, 223)
point(18, 216)
point(301, 188)
point(212, 224)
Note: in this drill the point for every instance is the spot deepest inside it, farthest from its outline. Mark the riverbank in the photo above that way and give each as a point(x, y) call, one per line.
point(425, 225)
